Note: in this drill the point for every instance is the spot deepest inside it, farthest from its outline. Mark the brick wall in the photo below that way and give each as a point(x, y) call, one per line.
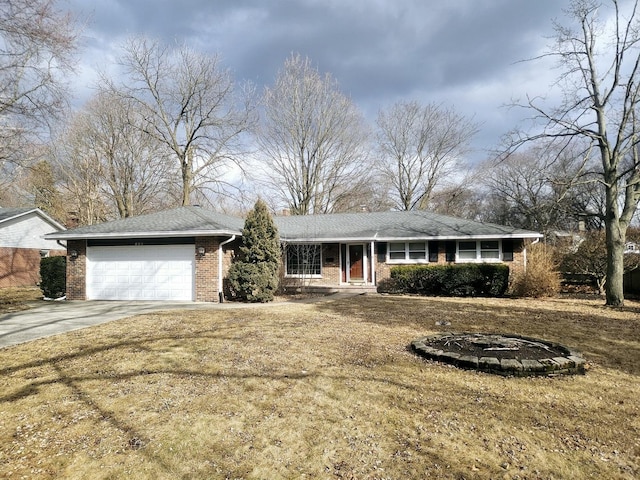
point(77, 271)
point(207, 269)
point(383, 270)
point(207, 266)
point(20, 267)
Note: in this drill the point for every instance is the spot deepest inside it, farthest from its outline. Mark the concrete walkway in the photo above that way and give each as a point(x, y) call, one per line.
point(52, 318)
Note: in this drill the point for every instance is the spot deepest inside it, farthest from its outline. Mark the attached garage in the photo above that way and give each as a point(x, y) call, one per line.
point(141, 272)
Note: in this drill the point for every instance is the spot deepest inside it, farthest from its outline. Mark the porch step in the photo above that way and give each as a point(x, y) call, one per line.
point(354, 288)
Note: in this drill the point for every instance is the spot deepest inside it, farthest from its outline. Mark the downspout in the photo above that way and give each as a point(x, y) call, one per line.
point(220, 281)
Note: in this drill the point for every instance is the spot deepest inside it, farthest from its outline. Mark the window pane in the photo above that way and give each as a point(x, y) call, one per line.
point(467, 255)
point(467, 246)
point(396, 247)
point(304, 260)
point(489, 245)
point(495, 254)
point(397, 251)
point(417, 251)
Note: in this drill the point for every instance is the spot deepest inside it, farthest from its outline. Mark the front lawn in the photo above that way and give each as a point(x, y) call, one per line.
point(321, 390)
point(13, 299)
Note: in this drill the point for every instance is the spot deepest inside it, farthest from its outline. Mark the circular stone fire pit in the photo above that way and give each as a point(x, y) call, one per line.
point(500, 354)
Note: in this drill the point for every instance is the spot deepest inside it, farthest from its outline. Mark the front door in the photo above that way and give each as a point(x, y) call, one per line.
point(356, 263)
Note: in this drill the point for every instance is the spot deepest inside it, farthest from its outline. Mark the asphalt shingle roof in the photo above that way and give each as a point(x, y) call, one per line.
point(183, 221)
point(388, 226)
point(7, 213)
point(191, 221)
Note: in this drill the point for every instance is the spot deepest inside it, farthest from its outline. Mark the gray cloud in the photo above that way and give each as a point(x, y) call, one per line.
point(380, 51)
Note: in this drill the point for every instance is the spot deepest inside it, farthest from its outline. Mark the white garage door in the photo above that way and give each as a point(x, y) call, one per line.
point(149, 272)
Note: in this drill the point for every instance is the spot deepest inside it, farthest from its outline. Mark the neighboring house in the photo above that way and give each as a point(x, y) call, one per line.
point(632, 247)
point(22, 244)
point(184, 254)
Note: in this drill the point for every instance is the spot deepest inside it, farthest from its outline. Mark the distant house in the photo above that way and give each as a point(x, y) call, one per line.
point(22, 244)
point(185, 253)
point(632, 247)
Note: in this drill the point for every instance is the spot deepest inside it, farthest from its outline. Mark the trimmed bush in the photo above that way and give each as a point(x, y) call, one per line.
point(461, 280)
point(53, 276)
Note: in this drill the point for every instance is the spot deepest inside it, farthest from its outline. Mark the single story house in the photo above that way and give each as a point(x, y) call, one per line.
point(184, 253)
point(22, 244)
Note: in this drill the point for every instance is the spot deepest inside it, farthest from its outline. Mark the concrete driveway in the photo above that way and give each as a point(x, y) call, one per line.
point(52, 318)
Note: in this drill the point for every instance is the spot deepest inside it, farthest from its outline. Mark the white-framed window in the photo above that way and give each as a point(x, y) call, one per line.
point(479, 251)
point(407, 252)
point(304, 260)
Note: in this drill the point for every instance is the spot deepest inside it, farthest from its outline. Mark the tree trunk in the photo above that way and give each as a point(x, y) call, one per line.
point(187, 178)
point(615, 263)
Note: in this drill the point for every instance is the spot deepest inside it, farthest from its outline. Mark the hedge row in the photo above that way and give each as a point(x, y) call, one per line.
point(483, 279)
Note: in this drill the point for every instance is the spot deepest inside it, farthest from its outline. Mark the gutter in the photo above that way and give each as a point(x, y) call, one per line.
point(220, 280)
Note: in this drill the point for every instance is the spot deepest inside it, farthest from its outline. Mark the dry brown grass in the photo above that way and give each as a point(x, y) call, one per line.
point(323, 390)
point(13, 299)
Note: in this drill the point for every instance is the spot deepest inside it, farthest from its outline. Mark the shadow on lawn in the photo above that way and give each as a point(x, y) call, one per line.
point(603, 340)
point(135, 437)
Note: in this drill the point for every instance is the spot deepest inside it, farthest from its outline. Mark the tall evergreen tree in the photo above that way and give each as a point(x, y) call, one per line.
point(255, 274)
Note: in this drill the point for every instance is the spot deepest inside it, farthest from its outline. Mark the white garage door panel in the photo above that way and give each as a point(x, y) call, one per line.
point(150, 272)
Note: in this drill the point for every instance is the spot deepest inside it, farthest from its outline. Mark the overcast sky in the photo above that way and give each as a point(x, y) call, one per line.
point(464, 53)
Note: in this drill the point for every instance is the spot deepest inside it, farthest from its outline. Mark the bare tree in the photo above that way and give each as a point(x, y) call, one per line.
point(190, 106)
point(37, 43)
point(138, 174)
point(313, 139)
point(81, 182)
point(539, 189)
point(131, 171)
point(600, 81)
point(590, 258)
point(43, 186)
point(419, 147)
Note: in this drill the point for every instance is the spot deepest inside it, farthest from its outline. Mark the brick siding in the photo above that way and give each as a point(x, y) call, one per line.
point(77, 271)
point(20, 267)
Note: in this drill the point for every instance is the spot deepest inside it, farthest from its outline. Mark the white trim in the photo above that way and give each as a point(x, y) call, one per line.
point(301, 275)
point(373, 263)
point(409, 239)
point(478, 250)
point(69, 235)
point(38, 212)
point(406, 260)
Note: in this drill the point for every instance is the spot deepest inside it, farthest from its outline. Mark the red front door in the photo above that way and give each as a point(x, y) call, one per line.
point(356, 270)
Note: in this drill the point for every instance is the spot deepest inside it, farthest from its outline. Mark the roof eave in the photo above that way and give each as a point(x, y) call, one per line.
point(69, 235)
point(38, 212)
point(532, 235)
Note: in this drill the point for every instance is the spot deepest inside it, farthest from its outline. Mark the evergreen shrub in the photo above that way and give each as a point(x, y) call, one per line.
point(254, 276)
point(53, 276)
